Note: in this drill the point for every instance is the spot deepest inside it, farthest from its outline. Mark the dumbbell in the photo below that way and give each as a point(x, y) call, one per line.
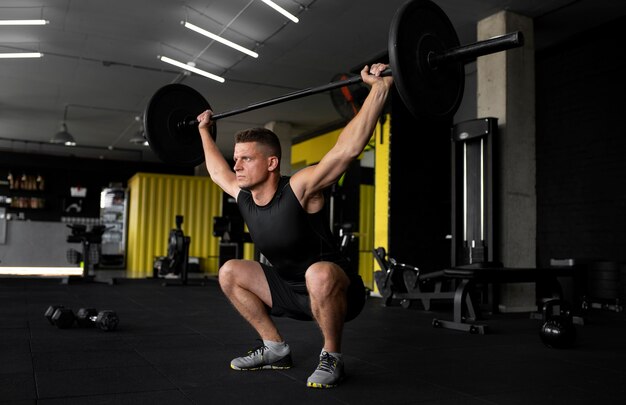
point(50, 311)
point(60, 316)
point(64, 318)
point(106, 320)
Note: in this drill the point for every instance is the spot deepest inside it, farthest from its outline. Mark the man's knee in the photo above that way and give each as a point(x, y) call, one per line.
point(325, 279)
point(227, 274)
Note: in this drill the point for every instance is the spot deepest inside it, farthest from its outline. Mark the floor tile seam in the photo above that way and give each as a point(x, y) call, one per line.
point(32, 362)
point(166, 376)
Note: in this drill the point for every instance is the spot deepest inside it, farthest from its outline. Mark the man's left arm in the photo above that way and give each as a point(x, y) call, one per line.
point(352, 140)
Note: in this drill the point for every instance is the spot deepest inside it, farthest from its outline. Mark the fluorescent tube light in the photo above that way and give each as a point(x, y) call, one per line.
point(192, 69)
point(21, 55)
point(281, 10)
point(219, 39)
point(24, 22)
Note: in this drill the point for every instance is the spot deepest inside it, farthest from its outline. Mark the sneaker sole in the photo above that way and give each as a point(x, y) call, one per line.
point(318, 385)
point(267, 367)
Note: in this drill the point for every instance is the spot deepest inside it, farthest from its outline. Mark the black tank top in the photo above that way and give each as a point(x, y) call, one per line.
point(290, 238)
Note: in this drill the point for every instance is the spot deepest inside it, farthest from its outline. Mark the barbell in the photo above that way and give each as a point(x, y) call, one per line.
point(425, 58)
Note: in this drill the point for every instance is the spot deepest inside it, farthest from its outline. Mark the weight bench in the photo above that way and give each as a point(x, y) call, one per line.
point(404, 283)
point(466, 315)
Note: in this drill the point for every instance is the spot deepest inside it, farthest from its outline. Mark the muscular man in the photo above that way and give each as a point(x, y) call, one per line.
point(307, 278)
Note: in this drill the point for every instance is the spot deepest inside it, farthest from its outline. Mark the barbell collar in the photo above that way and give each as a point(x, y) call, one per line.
point(466, 53)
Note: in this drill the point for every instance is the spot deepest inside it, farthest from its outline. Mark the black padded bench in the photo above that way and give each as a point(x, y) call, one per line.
point(466, 314)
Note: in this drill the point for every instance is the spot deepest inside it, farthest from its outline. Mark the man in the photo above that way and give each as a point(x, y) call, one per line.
point(306, 278)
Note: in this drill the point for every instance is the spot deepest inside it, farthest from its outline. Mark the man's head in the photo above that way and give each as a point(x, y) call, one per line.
point(264, 137)
point(257, 156)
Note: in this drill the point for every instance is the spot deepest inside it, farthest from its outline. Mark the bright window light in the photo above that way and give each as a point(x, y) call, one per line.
point(219, 39)
point(281, 10)
point(21, 55)
point(24, 22)
point(192, 69)
point(41, 271)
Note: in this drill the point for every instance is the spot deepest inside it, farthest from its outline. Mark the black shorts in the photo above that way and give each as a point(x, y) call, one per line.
point(292, 301)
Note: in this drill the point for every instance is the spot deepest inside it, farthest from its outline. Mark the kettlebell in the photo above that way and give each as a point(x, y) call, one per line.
point(557, 331)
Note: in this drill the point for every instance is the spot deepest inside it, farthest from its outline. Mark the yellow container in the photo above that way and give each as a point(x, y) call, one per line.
point(155, 201)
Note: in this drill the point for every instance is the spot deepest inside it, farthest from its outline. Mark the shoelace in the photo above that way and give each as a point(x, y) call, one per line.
point(327, 363)
point(258, 350)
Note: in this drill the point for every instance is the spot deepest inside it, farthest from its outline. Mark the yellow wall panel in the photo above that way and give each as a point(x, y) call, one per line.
point(366, 235)
point(381, 184)
point(155, 200)
point(312, 150)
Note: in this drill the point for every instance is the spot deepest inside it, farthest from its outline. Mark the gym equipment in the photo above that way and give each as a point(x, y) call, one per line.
point(466, 313)
point(177, 260)
point(83, 317)
point(63, 318)
point(348, 100)
point(88, 238)
point(614, 305)
point(106, 320)
point(50, 311)
point(424, 54)
point(399, 282)
point(558, 330)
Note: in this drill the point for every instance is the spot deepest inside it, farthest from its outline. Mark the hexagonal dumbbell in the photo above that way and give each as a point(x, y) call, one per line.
point(50, 311)
point(106, 320)
point(63, 318)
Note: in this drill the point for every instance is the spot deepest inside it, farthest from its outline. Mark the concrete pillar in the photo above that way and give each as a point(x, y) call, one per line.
point(283, 131)
point(506, 90)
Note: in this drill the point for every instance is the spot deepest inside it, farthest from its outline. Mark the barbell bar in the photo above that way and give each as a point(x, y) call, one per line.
point(426, 59)
point(461, 54)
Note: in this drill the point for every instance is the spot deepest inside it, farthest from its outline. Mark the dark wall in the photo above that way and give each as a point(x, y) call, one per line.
point(419, 190)
point(581, 147)
point(61, 173)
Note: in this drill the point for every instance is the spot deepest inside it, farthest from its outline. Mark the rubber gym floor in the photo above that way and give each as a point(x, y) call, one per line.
point(174, 344)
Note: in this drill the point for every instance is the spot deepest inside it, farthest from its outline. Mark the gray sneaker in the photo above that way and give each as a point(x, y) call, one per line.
point(262, 358)
point(329, 372)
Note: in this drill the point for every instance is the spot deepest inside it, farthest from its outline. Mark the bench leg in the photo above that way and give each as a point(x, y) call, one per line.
point(462, 300)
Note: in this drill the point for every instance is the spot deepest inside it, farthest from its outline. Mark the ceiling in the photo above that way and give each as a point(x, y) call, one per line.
point(100, 64)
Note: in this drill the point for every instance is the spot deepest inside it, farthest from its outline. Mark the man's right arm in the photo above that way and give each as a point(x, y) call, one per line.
point(218, 167)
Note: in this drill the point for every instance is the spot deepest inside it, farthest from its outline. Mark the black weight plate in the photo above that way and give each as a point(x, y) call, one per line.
point(169, 106)
point(418, 28)
point(349, 99)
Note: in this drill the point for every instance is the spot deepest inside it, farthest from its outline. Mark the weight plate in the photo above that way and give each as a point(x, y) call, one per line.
point(419, 28)
point(173, 143)
point(349, 99)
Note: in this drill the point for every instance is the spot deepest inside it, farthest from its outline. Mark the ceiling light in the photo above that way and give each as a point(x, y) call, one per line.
point(192, 69)
point(139, 139)
point(281, 10)
point(21, 55)
point(219, 39)
point(24, 22)
point(63, 137)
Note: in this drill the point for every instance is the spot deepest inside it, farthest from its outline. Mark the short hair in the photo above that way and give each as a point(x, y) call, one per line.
point(263, 136)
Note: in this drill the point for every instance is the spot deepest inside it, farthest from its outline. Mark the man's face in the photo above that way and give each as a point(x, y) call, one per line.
point(251, 164)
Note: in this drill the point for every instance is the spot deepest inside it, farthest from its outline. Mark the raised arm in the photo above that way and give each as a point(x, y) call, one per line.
point(308, 183)
point(218, 167)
